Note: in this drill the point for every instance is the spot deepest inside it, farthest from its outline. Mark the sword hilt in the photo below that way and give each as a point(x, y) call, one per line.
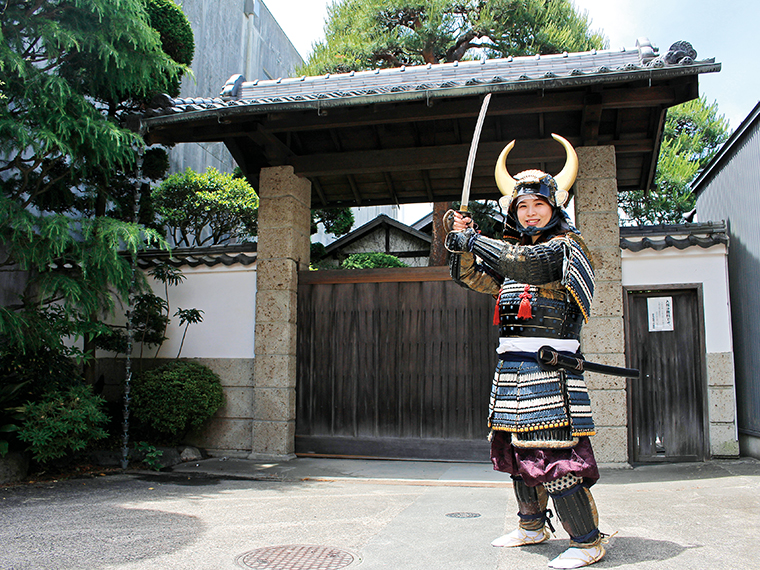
point(448, 218)
point(550, 359)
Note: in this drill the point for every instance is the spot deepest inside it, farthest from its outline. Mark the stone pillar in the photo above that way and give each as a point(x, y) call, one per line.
point(602, 340)
point(283, 249)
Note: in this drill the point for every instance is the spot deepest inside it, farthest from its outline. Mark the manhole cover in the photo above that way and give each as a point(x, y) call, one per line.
point(296, 557)
point(463, 515)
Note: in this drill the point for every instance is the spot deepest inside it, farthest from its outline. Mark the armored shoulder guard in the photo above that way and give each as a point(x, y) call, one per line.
point(578, 277)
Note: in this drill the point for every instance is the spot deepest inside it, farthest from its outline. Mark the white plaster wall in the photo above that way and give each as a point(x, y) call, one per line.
point(227, 297)
point(672, 266)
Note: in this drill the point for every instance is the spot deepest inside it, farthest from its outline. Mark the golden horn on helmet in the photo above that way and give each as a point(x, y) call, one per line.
point(566, 177)
point(504, 180)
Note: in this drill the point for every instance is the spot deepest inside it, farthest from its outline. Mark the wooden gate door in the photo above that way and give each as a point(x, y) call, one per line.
point(393, 363)
point(664, 338)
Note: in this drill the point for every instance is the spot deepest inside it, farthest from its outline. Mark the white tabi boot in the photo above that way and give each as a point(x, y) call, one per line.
point(578, 556)
point(522, 537)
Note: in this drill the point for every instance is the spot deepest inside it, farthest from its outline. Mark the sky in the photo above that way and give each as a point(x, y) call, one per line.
point(723, 30)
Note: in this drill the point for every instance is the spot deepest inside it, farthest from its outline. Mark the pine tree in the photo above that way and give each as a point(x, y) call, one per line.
point(366, 34)
point(694, 131)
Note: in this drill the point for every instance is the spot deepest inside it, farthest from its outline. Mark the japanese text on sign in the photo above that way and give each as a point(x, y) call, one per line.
point(660, 310)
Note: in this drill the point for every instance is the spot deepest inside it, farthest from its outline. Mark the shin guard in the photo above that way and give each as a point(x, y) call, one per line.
point(577, 512)
point(531, 504)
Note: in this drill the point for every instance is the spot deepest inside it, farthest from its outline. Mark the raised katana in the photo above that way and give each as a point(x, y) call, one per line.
point(473, 152)
point(550, 359)
point(448, 217)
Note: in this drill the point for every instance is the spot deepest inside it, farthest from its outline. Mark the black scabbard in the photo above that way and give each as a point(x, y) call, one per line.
point(550, 359)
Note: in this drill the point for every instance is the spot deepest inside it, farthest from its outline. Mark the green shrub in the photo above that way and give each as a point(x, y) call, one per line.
point(175, 398)
point(371, 261)
point(225, 207)
point(176, 33)
point(63, 421)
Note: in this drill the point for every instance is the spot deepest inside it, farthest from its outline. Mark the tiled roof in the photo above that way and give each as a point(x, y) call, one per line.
point(243, 254)
point(447, 79)
point(681, 236)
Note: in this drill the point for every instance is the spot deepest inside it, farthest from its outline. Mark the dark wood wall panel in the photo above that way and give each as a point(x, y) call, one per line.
point(380, 362)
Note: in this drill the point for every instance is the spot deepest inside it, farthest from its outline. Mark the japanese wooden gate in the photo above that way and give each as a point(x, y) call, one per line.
point(393, 363)
point(665, 341)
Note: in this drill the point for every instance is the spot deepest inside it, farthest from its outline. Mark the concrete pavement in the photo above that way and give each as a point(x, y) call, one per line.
point(313, 513)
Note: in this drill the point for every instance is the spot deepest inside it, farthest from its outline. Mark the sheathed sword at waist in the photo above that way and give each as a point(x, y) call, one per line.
point(550, 359)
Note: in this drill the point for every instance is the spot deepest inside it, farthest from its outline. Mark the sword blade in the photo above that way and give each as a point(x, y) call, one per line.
point(473, 153)
point(550, 359)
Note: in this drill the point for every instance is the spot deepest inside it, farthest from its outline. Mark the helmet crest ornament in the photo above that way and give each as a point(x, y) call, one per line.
point(555, 189)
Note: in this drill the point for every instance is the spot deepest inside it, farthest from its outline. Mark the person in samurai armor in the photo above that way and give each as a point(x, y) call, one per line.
point(542, 277)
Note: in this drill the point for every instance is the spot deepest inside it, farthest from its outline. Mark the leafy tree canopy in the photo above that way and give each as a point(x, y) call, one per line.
point(70, 72)
point(206, 209)
point(366, 34)
point(65, 66)
point(694, 131)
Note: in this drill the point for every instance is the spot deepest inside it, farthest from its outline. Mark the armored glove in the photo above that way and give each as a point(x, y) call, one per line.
point(460, 242)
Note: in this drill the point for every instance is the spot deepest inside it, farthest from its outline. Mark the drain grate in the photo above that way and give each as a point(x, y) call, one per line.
point(463, 515)
point(296, 557)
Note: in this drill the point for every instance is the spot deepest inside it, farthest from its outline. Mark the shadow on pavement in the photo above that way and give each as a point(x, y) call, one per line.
point(628, 550)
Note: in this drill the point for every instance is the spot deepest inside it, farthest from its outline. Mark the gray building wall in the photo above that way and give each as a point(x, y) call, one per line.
point(231, 37)
point(729, 189)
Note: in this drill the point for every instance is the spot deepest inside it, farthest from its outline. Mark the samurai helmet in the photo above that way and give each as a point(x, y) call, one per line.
point(556, 190)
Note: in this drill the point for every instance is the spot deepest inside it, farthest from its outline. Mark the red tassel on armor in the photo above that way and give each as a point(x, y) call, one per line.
point(496, 310)
point(525, 312)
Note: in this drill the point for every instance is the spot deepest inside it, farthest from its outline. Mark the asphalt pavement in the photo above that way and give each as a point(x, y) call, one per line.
point(327, 514)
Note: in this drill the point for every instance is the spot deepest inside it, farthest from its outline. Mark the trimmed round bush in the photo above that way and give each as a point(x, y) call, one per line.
point(175, 398)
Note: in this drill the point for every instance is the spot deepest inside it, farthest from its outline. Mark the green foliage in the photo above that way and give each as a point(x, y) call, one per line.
point(149, 454)
point(10, 415)
point(317, 251)
point(366, 34)
point(63, 421)
point(175, 30)
point(71, 73)
point(337, 221)
point(71, 265)
point(207, 209)
point(693, 133)
point(371, 261)
point(176, 35)
point(175, 398)
point(187, 317)
point(59, 61)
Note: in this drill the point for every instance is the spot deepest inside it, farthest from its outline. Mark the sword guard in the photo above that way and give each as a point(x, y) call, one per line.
point(448, 219)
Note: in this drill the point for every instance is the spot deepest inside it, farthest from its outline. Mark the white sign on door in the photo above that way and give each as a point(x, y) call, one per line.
point(660, 311)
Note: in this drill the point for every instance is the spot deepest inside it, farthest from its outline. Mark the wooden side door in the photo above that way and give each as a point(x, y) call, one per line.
point(665, 341)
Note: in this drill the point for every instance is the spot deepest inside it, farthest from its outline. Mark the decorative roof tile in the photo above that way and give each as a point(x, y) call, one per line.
point(680, 236)
point(447, 79)
point(242, 254)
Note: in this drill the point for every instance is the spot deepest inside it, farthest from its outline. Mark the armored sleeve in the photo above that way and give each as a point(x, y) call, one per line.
point(465, 271)
point(531, 264)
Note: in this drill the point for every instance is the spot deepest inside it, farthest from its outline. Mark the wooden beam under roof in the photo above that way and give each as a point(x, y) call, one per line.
point(436, 157)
